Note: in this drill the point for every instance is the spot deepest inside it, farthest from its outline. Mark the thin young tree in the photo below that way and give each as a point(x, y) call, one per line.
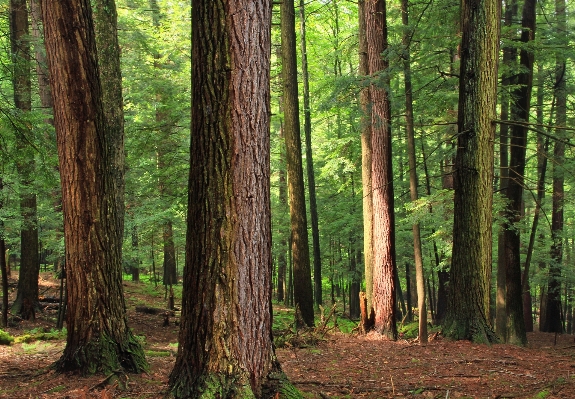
point(225, 342)
point(318, 297)
point(413, 181)
point(468, 303)
point(98, 338)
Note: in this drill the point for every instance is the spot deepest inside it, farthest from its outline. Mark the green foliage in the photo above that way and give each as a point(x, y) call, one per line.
point(5, 338)
point(41, 334)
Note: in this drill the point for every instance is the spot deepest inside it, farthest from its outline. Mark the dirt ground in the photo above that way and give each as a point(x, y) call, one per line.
point(342, 366)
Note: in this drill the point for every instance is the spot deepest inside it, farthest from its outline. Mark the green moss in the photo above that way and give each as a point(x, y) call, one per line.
point(40, 334)
point(213, 385)
point(105, 356)
point(5, 338)
point(150, 353)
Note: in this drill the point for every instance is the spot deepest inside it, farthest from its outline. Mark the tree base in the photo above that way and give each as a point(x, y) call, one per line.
point(234, 387)
point(474, 331)
point(103, 356)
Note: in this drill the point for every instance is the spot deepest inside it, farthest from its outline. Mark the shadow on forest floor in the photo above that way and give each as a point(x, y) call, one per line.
point(342, 366)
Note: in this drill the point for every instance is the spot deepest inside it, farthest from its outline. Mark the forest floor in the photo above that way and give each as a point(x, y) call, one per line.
point(339, 366)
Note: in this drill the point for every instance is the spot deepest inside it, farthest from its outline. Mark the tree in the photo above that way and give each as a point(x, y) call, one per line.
point(309, 163)
point(409, 130)
point(365, 127)
point(553, 314)
point(27, 296)
point(302, 288)
point(515, 328)
point(468, 304)
point(225, 342)
point(98, 338)
point(384, 267)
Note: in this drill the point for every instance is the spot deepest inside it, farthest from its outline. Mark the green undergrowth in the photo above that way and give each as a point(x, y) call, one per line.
point(327, 322)
point(5, 338)
point(41, 334)
point(411, 330)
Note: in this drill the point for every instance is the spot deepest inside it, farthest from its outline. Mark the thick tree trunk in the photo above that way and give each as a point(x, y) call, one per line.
point(99, 339)
point(468, 311)
point(384, 267)
point(226, 348)
point(303, 292)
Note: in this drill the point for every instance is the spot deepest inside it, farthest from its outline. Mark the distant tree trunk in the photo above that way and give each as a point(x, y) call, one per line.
point(309, 162)
point(408, 289)
point(164, 145)
point(515, 329)
point(418, 256)
point(555, 267)
point(354, 284)
point(98, 339)
point(303, 292)
point(226, 348)
point(508, 79)
point(27, 296)
point(283, 242)
point(3, 266)
point(542, 148)
point(442, 275)
point(468, 311)
point(170, 276)
point(40, 58)
point(135, 264)
point(384, 267)
point(366, 162)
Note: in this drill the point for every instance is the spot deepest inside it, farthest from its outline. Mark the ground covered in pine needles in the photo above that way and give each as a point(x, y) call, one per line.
point(322, 364)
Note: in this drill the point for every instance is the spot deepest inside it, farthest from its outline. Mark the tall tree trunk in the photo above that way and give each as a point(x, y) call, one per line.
point(283, 241)
point(164, 145)
point(417, 254)
point(468, 312)
point(384, 266)
point(226, 348)
point(515, 329)
point(509, 59)
point(366, 163)
point(303, 292)
point(555, 270)
point(3, 266)
point(98, 338)
point(27, 297)
point(309, 162)
point(542, 148)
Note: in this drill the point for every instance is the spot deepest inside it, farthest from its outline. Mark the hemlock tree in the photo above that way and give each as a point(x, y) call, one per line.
point(225, 343)
point(302, 287)
point(99, 339)
point(468, 304)
point(383, 217)
point(27, 296)
point(515, 326)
